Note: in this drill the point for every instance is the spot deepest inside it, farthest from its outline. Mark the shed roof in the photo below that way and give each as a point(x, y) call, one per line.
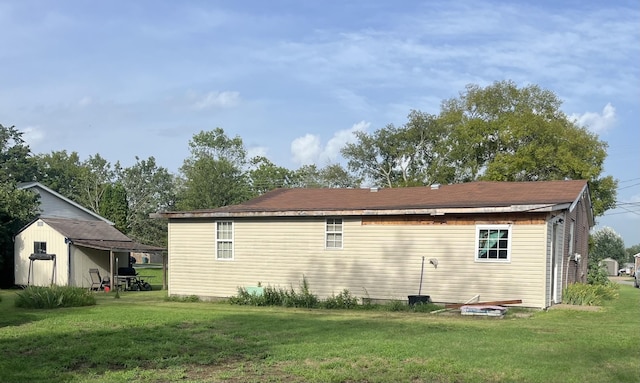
point(460, 198)
point(96, 235)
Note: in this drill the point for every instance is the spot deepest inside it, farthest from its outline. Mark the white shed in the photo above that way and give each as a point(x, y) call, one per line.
point(61, 251)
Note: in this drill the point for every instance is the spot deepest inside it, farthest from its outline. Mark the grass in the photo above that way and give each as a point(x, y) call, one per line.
point(152, 273)
point(143, 337)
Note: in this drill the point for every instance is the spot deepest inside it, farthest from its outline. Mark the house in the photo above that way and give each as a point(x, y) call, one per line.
point(491, 240)
point(65, 241)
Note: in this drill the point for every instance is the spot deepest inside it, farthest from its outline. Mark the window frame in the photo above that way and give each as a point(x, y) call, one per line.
point(220, 241)
point(489, 227)
point(38, 247)
point(328, 232)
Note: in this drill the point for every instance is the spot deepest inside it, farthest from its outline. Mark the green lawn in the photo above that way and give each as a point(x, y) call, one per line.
point(144, 338)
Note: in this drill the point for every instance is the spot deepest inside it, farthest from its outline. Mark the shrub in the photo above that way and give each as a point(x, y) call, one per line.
point(277, 296)
point(189, 298)
point(597, 274)
point(589, 295)
point(397, 305)
point(344, 300)
point(37, 297)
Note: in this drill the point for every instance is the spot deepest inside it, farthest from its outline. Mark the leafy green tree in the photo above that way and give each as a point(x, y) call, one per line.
point(97, 174)
point(15, 156)
point(335, 176)
point(308, 176)
point(17, 207)
point(399, 156)
point(631, 251)
point(149, 188)
point(606, 243)
point(331, 176)
point(114, 205)
point(213, 174)
point(62, 172)
point(505, 133)
point(264, 176)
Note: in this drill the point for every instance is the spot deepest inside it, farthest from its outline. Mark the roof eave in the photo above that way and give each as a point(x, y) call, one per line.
point(364, 212)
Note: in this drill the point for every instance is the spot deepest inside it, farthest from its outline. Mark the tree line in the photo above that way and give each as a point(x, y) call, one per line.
point(499, 132)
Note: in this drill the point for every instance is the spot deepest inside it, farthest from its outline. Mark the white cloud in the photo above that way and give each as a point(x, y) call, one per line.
point(215, 99)
point(257, 151)
point(33, 135)
point(308, 149)
point(596, 122)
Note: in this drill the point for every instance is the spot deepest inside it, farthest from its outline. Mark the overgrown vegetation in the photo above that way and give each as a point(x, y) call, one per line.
point(277, 296)
point(188, 298)
point(590, 294)
point(38, 297)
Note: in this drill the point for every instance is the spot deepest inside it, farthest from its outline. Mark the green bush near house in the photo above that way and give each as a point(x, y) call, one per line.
point(37, 297)
point(590, 295)
point(277, 296)
point(344, 300)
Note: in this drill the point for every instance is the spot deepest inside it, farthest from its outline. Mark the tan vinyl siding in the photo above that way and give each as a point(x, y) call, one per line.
point(41, 270)
point(376, 261)
point(75, 274)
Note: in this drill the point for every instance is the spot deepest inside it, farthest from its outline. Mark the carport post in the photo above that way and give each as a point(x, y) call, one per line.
point(112, 285)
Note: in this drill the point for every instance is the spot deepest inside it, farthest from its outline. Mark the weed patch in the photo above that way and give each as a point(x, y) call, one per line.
point(590, 295)
point(38, 297)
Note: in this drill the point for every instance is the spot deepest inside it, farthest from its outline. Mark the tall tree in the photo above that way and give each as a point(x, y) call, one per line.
point(62, 172)
point(331, 176)
point(335, 176)
point(149, 188)
point(97, 175)
point(264, 175)
point(214, 174)
point(398, 156)
point(505, 133)
point(631, 251)
point(17, 206)
point(113, 205)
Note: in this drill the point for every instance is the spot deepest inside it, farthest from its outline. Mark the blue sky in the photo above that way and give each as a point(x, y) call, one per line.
point(295, 79)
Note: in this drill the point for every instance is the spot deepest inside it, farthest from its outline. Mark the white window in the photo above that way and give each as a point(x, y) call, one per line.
point(224, 240)
point(333, 233)
point(493, 243)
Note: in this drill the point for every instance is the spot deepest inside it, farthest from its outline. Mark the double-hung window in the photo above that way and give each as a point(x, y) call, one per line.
point(333, 233)
point(493, 243)
point(224, 240)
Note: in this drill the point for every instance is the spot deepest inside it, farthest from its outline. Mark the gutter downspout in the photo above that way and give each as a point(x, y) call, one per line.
point(68, 242)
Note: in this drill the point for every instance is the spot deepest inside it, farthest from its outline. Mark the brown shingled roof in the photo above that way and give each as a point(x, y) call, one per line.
point(96, 235)
point(464, 195)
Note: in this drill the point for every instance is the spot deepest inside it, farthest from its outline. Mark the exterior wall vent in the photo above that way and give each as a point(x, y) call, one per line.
point(374, 189)
point(435, 186)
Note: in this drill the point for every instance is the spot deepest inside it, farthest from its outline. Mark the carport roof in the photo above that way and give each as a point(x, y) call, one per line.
point(96, 235)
